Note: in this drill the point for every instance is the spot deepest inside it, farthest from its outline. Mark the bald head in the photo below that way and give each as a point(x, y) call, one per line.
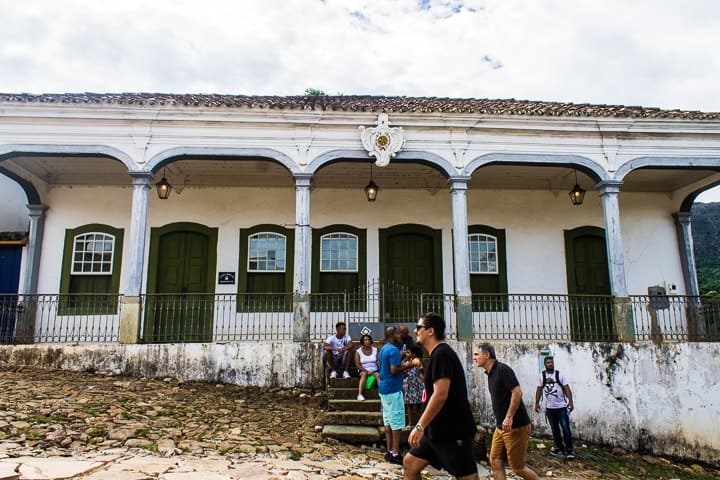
point(390, 334)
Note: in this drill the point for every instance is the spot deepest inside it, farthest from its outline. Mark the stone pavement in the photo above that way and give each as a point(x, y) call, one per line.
point(123, 464)
point(80, 425)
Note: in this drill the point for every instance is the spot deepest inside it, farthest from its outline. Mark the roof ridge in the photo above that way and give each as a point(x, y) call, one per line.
point(367, 103)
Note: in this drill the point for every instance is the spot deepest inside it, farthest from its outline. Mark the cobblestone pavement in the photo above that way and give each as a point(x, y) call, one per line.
point(59, 424)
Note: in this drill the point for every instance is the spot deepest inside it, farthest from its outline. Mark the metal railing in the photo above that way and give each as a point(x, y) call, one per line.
point(542, 317)
point(676, 318)
point(377, 302)
point(91, 318)
point(60, 318)
point(180, 318)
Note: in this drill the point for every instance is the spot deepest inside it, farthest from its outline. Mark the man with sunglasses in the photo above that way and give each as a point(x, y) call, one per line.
point(444, 435)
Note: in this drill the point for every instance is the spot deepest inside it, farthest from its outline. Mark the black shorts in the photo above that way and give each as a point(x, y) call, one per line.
point(454, 456)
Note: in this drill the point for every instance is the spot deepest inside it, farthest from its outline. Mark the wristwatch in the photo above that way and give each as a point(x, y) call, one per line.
point(419, 427)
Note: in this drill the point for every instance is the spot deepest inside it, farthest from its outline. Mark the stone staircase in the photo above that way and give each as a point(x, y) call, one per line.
point(351, 420)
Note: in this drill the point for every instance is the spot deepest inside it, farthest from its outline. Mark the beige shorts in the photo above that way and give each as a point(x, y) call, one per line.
point(511, 446)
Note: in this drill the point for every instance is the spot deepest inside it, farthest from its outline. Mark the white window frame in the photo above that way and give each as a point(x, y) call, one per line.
point(249, 257)
point(477, 238)
point(104, 238)
point(347, 236)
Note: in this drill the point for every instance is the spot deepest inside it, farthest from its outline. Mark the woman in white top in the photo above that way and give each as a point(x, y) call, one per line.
point(366, 362)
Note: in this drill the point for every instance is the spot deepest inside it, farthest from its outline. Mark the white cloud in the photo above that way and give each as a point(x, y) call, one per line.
point(642, 52)
point(654, 53)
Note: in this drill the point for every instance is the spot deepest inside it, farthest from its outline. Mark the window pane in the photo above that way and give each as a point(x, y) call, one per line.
point(483, 255)
point(92, 253)
point(338, 252)
point(266, 252)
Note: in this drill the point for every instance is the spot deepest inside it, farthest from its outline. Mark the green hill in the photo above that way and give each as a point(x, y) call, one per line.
point(706, 240)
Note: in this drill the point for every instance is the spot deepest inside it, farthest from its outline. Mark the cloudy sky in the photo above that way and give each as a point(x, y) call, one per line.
point(657, 53)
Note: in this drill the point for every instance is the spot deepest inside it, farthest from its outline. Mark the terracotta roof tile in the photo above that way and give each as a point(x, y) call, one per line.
point(366, 103)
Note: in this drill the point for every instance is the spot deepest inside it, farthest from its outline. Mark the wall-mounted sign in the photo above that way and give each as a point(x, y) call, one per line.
point(226, 278)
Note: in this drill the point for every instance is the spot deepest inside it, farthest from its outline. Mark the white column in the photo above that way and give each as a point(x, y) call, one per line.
point(31, 266)
point(303, 260)
point(461, 258)
point(131, 313)
point(138, 233)
point(616, 257)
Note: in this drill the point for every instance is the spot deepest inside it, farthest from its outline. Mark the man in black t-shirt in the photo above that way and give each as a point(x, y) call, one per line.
point(510, 440)
point(444, 435)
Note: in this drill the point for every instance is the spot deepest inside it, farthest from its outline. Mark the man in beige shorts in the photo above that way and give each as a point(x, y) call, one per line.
point(510, 440)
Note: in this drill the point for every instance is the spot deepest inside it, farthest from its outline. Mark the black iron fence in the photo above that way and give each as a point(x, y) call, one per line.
point(173, 318)
point(90, 318)
point(60, 318)
point(377, 302)
point(564, 318)
point(676, 317)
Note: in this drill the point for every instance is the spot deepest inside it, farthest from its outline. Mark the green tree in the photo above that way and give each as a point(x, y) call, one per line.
point(706, 235)
point(314, 92)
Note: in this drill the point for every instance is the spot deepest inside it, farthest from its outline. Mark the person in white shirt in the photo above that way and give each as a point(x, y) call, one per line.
point(338, 351)
point(554, 387)
point(366, 362)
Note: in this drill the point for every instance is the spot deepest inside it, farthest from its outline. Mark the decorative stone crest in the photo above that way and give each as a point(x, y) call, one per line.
point(382, 142)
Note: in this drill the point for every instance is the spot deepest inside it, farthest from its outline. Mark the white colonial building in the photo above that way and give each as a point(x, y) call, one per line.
point(267, 231)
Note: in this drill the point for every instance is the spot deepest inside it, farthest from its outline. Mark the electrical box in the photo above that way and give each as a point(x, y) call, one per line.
point(658, 297)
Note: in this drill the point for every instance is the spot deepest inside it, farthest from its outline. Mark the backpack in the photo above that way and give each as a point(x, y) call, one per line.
point(557, 382)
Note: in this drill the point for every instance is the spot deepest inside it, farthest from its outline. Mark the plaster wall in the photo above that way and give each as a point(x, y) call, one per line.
point(534, 222)
point(662, 399)
point(652, 253)
point(249, 363)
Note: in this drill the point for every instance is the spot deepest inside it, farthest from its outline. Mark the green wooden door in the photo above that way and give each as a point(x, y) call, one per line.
point(410, 272)
point(410, 261)
point(183, 311)
point(589, 286)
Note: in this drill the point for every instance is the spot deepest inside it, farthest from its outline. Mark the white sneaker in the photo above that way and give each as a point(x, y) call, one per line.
point(333, 374)
point(346, 374)
point(360, 397)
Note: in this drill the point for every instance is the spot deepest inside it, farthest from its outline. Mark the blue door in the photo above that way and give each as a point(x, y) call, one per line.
point(10, 256)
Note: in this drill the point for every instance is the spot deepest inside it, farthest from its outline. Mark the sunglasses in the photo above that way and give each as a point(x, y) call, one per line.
point(420, 327)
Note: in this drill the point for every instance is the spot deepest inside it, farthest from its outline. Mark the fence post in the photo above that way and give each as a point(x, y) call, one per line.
point(301, 317)
point(695, 319)
point(130, 317)
point(463, 314)
point(623, 319)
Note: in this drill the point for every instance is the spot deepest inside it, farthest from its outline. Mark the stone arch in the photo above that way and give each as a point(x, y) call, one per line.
point(688, 201)
point(587, 166)
point(8, 151)
point(665, 162)
point(426, 158)
point(166, 156)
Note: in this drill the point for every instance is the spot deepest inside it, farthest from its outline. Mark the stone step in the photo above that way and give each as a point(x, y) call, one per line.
point(352, 433)
point(340, 417)
point(351, 393)
point(368, 405)
point(351, 382)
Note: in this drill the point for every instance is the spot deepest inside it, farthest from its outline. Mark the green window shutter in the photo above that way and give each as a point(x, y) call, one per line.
point(76, 289)
point(265, 291)
point(344, 290)
point(484, 285)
